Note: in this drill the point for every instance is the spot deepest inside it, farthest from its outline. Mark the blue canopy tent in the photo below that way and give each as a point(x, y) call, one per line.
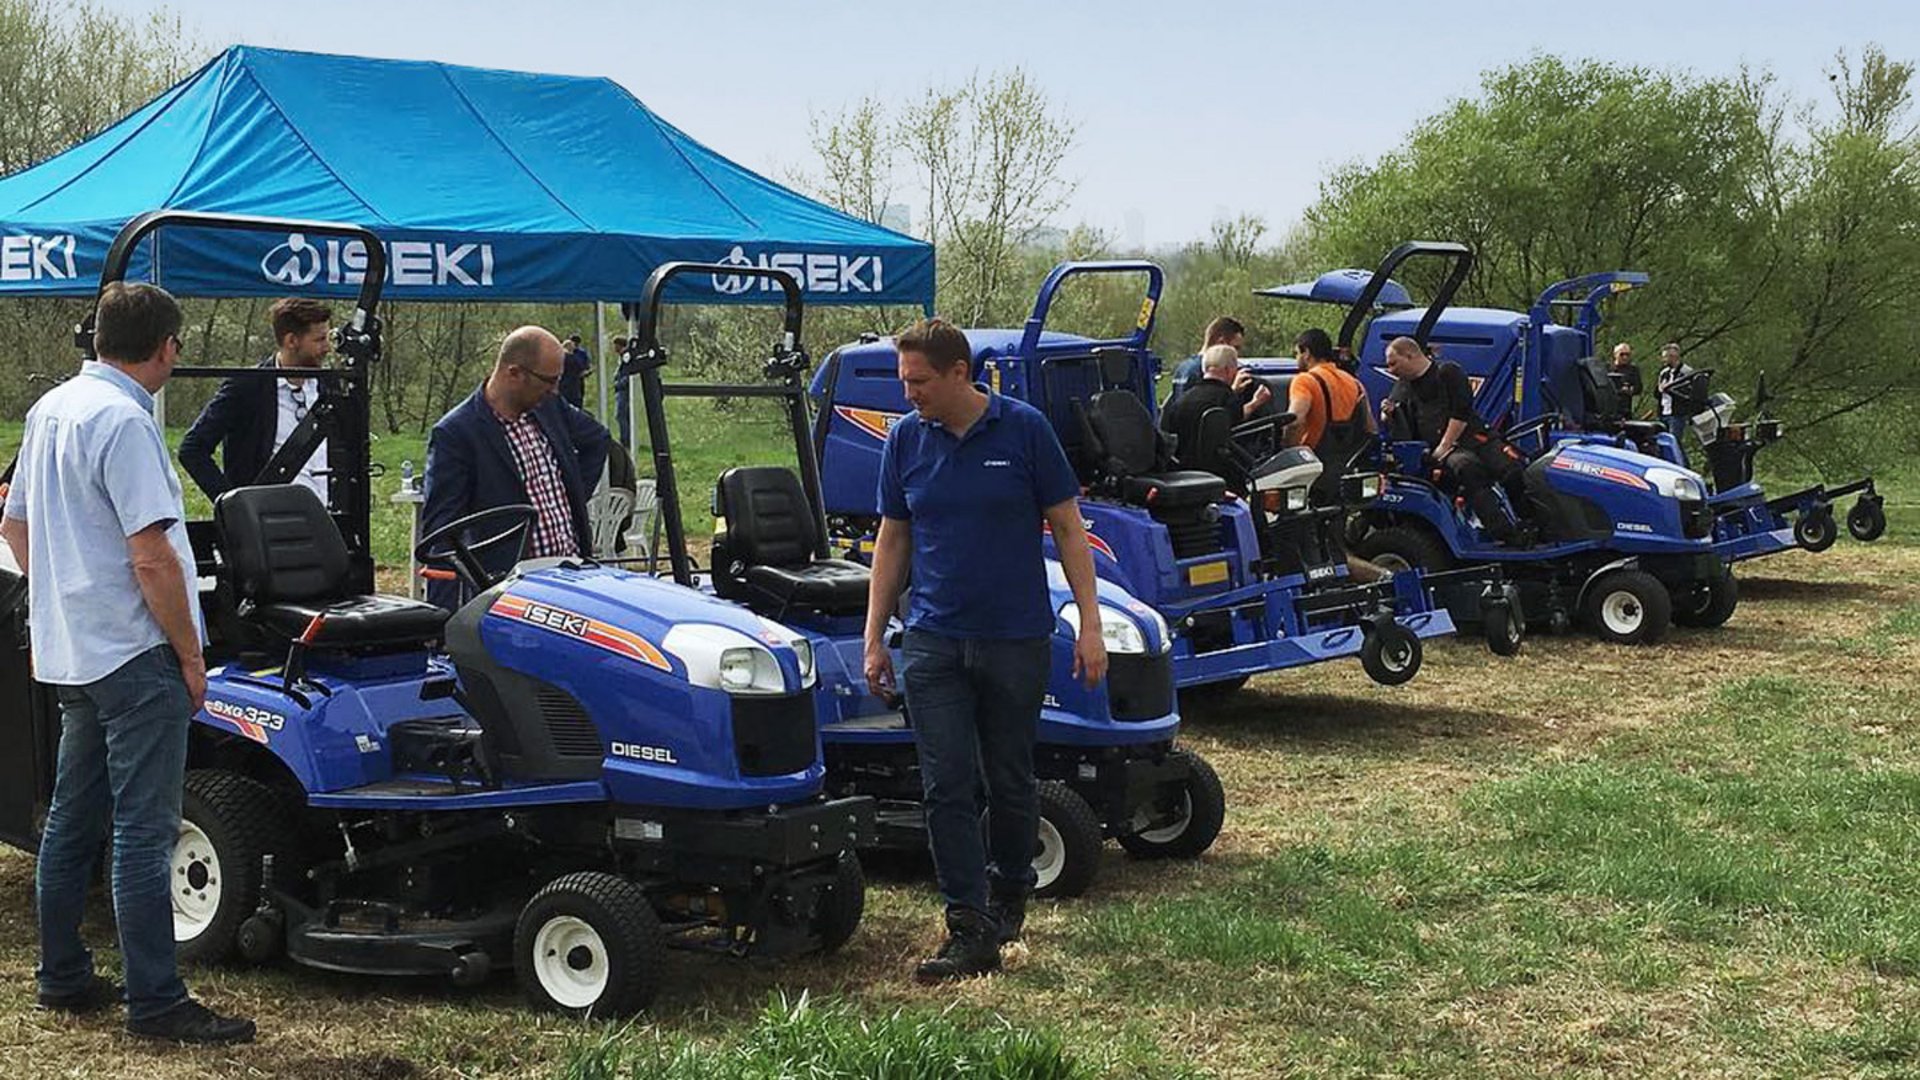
point(482, 184)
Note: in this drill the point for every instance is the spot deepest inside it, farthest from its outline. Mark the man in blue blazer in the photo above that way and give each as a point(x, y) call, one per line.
point(515, 441)
point(249, 417)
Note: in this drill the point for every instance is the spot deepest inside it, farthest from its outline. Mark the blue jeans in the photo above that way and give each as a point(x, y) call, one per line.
point(123, 756)
point(623, 412)
point(975, 706)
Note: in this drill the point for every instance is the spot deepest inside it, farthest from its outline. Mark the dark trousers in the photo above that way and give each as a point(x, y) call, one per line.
point(123, 757)
point(1478, 465)
point(975, 705)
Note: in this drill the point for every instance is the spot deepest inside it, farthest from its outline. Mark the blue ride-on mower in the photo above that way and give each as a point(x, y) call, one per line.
point(1106, 758)
point(1624, 539)
point(575, 770)
point(1561, 374)
point(1248, 581)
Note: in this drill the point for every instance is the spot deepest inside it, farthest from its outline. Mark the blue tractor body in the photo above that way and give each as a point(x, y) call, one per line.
point(1615, 524)
point(1236, 607)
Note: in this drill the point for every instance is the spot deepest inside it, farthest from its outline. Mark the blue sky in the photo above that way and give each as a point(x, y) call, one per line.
point(1188, 110)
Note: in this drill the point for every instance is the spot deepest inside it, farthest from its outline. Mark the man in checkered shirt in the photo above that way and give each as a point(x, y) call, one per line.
point(516, 441)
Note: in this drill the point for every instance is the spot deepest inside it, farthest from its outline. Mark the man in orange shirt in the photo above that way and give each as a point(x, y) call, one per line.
point(1331, 415)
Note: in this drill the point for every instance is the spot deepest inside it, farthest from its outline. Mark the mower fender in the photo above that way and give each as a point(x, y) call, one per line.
point(1631, 562)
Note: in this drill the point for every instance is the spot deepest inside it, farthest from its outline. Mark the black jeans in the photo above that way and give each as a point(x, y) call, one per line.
point(975, 705)
point(1477, 465)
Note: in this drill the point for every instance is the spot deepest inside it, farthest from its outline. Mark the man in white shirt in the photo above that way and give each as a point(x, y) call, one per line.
point(251, 417)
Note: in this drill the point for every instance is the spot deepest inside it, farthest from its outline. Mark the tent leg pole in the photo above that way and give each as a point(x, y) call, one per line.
point(600, 350)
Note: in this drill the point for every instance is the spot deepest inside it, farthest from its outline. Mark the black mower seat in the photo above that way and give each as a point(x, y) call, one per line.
point(1136, 459)
point(767, 558)
point(288, 564)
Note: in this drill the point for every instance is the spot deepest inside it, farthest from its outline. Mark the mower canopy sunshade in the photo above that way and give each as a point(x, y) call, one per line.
point(1341, 287)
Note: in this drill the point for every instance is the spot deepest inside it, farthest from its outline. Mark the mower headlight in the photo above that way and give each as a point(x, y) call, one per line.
point(1370, 486)
point(721, 658)
point(803, 651)
point(802, 647)
point(1676, 484)
point(1296, 499)
point(1117, 629)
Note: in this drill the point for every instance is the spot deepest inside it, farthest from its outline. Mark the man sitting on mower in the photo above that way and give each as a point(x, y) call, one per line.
point(1223, 385)
point(1433, 402)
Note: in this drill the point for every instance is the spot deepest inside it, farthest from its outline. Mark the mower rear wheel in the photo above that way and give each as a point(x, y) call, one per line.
point(1710, 606)
point(589, 945)
point(1202, 810)
point(1391, 653)
point(842, 904)
point(1867, 521)
point(1404, 547)
point(1068, 855)
point(1816, 530)
point(228, 824)
point(1629, 607)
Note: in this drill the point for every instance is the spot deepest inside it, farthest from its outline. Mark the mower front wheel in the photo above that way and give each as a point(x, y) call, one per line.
point(1816, 530)
point(1503, 626)
point(1709, 605)
point(1391, 653)
point(1867, 521)
point(589, 945)
point(1068, 854)
point(1629, 607)
point(228, 824)
point(1201, 811)
point(842, 904)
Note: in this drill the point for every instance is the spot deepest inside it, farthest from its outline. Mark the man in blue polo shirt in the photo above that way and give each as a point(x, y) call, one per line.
point(95, 519)
point(966, 481)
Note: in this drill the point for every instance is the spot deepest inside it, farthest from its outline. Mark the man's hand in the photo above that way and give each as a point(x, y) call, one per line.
point(194, 670)
point(879, 670)
point(1261, 395)
point(1090, 658)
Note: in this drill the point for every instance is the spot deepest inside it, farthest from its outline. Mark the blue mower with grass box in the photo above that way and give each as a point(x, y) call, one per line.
point(1625, 540)
point(1247, 582)
point(1106, 756)
point(578, 768)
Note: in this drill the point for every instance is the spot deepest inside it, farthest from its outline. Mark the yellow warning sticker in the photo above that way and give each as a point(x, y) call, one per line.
point(1212, 573)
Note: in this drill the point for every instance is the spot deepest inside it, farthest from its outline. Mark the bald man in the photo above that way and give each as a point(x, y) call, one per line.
point(515, 441)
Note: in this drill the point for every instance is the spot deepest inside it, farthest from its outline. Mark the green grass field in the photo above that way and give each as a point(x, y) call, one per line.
point(1696, 859)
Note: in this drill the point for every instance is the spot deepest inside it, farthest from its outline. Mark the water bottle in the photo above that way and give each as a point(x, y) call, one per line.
point(406, 475)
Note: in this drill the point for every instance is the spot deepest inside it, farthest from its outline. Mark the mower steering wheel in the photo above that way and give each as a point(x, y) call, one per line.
point(459, 554)
point(1258, 438)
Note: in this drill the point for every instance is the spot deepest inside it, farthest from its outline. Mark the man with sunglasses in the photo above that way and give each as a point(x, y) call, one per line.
point(249, 417)
point(514, 440)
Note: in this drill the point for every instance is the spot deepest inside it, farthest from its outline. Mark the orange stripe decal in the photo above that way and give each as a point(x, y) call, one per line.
point(573, 624)
point(872, 421)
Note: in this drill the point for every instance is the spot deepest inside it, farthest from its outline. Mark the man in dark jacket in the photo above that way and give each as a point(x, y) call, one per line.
point(514, 441)
point(249, 417)
point(573, 383)
point(1434, 401)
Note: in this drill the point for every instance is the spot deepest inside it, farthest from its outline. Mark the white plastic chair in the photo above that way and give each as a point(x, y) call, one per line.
point(645, 534)
point(607, 507)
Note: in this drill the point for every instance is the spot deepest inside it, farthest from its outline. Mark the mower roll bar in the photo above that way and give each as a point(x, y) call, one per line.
point(1462, 263)
point(1593, 289)
point(341, 413)
point(646, 357)
point(1143, 325)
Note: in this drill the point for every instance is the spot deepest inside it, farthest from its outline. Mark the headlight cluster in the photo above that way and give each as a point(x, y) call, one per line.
point(1370, 486)
point(721, 658)
point(1676, 484)
point(1290, 500)
point(1117, 629)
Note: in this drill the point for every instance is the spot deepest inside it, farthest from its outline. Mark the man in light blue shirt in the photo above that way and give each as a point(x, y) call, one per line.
point(95, 518)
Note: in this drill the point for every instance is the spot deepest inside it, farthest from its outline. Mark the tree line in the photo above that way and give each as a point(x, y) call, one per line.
point(1782, 236)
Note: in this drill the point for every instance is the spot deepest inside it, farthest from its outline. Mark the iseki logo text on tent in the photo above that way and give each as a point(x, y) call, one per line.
point(817, 272)
point(36, 258)
point(299, 262)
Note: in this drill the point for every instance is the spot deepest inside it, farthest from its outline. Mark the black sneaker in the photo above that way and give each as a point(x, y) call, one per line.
point(972, 948)
point(101, 993)
point(192, 1022)
point(1010, 912)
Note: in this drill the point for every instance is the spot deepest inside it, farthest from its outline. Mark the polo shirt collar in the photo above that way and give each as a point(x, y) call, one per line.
point(992, 413)
point(100, 369)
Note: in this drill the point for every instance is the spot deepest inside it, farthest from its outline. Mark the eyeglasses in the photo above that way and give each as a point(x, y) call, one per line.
point(550, 380)
point(178, 345)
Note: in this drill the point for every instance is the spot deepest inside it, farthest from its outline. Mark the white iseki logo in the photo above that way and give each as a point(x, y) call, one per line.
point(817, 272)
point(997, 463)
point(299, 262)
point(27, 257)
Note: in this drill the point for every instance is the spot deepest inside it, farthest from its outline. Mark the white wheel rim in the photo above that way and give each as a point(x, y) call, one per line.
point(1621, 611)
point(1396, 655)
point(195, 882)
point(570, 960)
point(1052, 857)
point(1391, 563)
point(1167, 834)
